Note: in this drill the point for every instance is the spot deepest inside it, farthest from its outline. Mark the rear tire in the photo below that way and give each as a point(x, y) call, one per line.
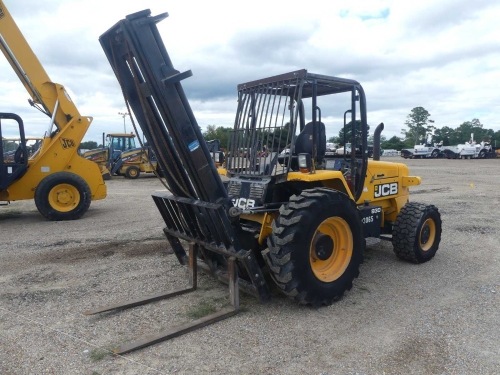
point(417, 232)
point(132, 172)
point(62, 196)
point(316, 246)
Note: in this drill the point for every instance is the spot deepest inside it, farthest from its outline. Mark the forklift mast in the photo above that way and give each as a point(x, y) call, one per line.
point(153, 91)
point(197, 208)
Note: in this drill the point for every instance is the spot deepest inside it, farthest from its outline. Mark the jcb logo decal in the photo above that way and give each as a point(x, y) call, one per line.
point(384, 190)
point(67, 143)
point(244, 203)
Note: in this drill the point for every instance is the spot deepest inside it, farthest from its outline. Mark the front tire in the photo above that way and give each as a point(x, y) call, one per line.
point(316, 247)
point(417, 232)
point(132, 172)
point(62, 196)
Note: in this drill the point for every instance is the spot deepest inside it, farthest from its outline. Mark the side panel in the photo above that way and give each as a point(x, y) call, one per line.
point(331, 179)
point(387, 185)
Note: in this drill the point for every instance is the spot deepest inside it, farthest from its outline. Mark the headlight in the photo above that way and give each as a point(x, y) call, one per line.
point(305, 163)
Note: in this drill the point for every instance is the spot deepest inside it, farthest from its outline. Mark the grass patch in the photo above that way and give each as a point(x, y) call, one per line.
point(98, 354)
point(364, 288)
point(204, 308)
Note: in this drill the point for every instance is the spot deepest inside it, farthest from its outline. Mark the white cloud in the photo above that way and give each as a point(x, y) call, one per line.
point(439, 55)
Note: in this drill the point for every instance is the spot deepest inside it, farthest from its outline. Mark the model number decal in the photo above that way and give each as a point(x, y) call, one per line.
point(384, 190)
point(368, 219)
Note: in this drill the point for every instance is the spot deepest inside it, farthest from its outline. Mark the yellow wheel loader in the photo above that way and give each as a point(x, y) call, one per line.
point(61, 182)
point(283, 207)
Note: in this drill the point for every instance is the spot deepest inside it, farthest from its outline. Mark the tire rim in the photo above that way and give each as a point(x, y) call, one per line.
point(427, 235)
point(64, 197)
point(132, 172)
point(336, 263)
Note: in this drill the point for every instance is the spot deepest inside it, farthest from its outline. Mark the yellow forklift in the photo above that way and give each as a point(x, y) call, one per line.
point(282, 211)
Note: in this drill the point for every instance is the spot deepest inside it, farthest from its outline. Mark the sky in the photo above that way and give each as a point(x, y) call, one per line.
point(441, 55)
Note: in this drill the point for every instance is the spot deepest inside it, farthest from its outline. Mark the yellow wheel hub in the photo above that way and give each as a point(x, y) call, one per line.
point(427, 235)
point(331, 249)
point(64, 197)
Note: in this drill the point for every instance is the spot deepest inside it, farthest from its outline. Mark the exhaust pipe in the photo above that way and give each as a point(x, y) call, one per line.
point(376, 141)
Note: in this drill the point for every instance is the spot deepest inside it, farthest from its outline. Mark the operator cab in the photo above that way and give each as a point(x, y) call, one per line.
point(13, 153)
point(120, 142)
point(281, 126)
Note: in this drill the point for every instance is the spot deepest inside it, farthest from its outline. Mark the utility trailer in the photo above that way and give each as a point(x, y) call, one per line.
point(287, 213)
point(461, 151)
point(423, 151)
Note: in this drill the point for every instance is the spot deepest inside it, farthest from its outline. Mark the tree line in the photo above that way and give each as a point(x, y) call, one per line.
point(419, 126)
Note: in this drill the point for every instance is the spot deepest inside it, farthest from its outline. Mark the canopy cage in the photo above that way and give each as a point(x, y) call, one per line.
point(270, 127)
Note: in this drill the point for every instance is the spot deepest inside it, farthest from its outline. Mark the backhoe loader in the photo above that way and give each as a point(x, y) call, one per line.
point(61, 182)
point(122, 157)
point(281, 207)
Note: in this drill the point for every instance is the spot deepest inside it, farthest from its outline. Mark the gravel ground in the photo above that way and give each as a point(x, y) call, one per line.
point(441, 317)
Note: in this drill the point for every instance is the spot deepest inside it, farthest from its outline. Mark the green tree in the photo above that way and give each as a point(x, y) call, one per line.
point(446, 135)
point(495, 140)
point(394, 143)
point(334, 140)
point(218, 132)
point(475, 129)
point(419, 126)
point(371, 137)
point(88, 145)
point(348, 130)
point(278, 139)
point(9, 145)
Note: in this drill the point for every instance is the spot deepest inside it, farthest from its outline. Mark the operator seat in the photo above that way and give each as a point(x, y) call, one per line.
point(20, 155)
point(304, 141)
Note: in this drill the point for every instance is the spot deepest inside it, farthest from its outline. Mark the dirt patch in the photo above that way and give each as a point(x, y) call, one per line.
point(399, 318)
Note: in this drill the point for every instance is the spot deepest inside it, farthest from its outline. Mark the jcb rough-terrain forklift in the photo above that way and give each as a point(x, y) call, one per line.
point(122, 157)
point(281, 205)
point(61, 182)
